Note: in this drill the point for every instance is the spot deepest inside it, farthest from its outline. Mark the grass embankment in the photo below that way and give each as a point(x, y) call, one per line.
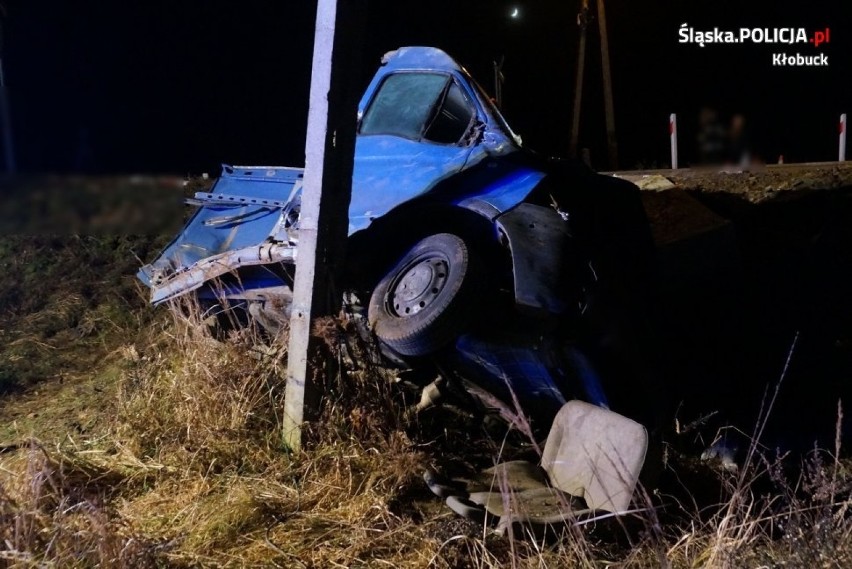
point(132, 438)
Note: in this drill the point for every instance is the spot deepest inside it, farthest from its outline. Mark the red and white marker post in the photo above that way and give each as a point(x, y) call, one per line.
point(842, 129)
point(673, 137)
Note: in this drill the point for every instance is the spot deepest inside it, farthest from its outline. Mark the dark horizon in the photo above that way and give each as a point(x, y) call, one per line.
point(180, 88)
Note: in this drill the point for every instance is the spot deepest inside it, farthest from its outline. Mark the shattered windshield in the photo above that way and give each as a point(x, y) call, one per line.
point(404, 104)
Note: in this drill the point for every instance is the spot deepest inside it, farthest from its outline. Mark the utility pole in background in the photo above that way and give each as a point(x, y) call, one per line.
point(327, 190)
point(499, 80)
point(582, 22)
point(5, 113)
point(609, 110)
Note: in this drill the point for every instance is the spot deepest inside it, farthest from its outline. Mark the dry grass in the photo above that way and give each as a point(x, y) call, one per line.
point(54, 511)
point(184, 467)
point(65, 302)
point(194, 463)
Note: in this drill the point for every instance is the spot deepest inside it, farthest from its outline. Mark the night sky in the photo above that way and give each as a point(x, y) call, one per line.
point(181, 86)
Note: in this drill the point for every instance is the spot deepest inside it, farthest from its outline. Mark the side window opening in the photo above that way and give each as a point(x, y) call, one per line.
point(453, 117)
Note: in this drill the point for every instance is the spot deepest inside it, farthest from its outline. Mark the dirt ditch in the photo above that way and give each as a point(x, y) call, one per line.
point(751, 262)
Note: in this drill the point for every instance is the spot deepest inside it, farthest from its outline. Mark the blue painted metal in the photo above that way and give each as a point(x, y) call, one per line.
point(511, 369)
point(589, 377)
point(509, 190)
point(249, 221)
point(538, 374)
point(209, 233)
point(389, 171)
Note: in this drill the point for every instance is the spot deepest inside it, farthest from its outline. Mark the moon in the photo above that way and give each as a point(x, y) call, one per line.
point(515, 12)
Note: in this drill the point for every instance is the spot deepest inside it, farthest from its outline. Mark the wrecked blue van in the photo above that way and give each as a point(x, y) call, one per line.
point(462, 243)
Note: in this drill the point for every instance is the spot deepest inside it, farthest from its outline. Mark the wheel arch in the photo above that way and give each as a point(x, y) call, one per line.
point(372, 251)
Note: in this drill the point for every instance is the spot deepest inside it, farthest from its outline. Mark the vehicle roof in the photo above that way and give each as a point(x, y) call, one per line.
point(419, 57)
point(408, 59)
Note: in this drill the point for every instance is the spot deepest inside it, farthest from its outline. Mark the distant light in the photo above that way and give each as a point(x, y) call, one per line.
point(516, 13)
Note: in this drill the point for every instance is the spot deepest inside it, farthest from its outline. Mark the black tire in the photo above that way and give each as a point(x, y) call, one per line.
point(428, 298)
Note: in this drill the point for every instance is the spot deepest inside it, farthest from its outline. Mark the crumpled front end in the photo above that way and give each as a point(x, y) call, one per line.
point(248, 219)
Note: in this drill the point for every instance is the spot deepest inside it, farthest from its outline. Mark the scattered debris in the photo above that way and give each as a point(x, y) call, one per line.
point(466, 251)
point(590, 463)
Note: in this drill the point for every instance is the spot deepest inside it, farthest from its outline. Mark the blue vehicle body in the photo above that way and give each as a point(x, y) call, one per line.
point(431, 149)
point(247, 209)
point(418, 166)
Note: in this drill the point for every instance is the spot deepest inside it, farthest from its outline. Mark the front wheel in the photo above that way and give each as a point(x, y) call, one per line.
point(428, 298)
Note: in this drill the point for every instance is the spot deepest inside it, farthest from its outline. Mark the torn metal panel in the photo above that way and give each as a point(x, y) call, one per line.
point(400, 156)
point(539, 240)
point(239, 222)
point(168, 285)
point(433, 156)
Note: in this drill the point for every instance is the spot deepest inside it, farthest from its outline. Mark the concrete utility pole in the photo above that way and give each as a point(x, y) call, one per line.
point(327, 190)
